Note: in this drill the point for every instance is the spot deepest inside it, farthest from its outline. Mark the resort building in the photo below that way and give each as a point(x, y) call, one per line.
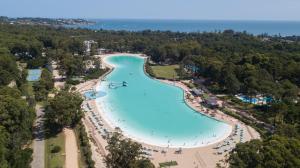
point(197, 92)
point(88, 45)
point(101, 51)
point(211, 102)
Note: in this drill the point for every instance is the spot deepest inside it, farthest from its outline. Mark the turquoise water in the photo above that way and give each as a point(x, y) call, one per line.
point(284, 28)
point(94, 95)
point(153, 112)
point(254, 100)
point(34, 75)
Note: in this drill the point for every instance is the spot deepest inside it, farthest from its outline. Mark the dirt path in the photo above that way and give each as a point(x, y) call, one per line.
point(71, 149)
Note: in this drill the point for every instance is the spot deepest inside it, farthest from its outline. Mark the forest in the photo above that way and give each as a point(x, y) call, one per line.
point(231, 62)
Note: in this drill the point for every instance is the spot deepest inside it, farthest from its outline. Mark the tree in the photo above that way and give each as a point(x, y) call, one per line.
point(289, 90)
point(6, 77)
point(275, 152)
point(246, 155)
point(15, 129)
point(8, 69)
point(64, 109)
point(72, 65)
point(125, 153)
point(3, 147)
point(43, 86)
point(229, 79)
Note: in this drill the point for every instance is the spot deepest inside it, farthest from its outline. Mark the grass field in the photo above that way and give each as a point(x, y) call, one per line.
point(28, 89)
point(55, 160)
point(166, 71)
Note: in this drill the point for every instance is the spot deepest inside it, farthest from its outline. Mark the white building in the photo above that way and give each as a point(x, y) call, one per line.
point(88, 45)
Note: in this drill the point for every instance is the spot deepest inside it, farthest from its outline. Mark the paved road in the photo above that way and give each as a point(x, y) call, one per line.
point(39, 142)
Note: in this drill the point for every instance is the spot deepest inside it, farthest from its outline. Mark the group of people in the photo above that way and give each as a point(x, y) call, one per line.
point(229, 144)
point(96, 120)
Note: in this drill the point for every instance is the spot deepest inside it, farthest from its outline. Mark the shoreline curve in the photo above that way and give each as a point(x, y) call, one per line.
point(144, 140)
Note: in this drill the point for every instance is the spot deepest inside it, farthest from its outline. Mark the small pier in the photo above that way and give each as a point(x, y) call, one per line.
point(114, 85)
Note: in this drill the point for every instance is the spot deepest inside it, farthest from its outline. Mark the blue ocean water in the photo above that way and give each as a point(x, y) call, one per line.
point(284, 28)
point(153, 112)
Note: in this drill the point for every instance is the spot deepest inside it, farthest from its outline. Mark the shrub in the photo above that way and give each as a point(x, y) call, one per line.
point(72, 82)
point(56, 149)
point(84, 145)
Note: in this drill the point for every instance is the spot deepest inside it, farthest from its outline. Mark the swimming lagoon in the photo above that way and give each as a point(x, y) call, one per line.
point(153, 112)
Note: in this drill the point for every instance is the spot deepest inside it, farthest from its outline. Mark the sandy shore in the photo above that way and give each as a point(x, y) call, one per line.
point(206, 156)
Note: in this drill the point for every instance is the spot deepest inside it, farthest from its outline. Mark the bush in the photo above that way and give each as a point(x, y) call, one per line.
point(168, 164)
point(149, 70)
point(95, 73)
point(72, 82)
point(85, 147)
point(56, 149)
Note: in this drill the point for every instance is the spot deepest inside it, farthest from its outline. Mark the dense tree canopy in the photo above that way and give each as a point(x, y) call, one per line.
point(125, 153)
point(252, 64)
point(8, 69)
point(275, 152)
point(43, 86)
point(16, 119)
point(64, 109)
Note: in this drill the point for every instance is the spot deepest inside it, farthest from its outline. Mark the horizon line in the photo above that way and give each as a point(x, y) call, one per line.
point(157, 19)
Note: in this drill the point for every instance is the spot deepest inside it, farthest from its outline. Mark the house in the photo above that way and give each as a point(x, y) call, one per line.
point(197, 92)
point(212, 102)
point(199, 80)
point(101, 51)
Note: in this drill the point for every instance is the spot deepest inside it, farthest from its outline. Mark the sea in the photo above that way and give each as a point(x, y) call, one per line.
point(273, 28)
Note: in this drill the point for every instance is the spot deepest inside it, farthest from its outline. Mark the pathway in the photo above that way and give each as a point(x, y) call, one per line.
point(71, 149)
point(38, 142)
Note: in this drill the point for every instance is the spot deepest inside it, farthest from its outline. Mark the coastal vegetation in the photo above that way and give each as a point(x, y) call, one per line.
point(43, 86)
point(125, 153)
point(16, 118)
point(230, 62)
point(168, 164)
point(64, 110)
point(85, 147)
point(16, 114)
point(274, 151)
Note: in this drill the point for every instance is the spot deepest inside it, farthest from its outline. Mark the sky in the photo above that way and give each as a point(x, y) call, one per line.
point(154, 9)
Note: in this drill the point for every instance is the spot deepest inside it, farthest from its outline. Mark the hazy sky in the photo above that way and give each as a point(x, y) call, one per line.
point(155, 9)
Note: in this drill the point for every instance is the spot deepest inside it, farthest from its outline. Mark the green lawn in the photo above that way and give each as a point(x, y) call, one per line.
point(166, 71)
point(55, 160)
point(28, 89)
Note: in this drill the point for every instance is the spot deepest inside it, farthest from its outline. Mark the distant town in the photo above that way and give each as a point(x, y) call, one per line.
point(44, 21)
